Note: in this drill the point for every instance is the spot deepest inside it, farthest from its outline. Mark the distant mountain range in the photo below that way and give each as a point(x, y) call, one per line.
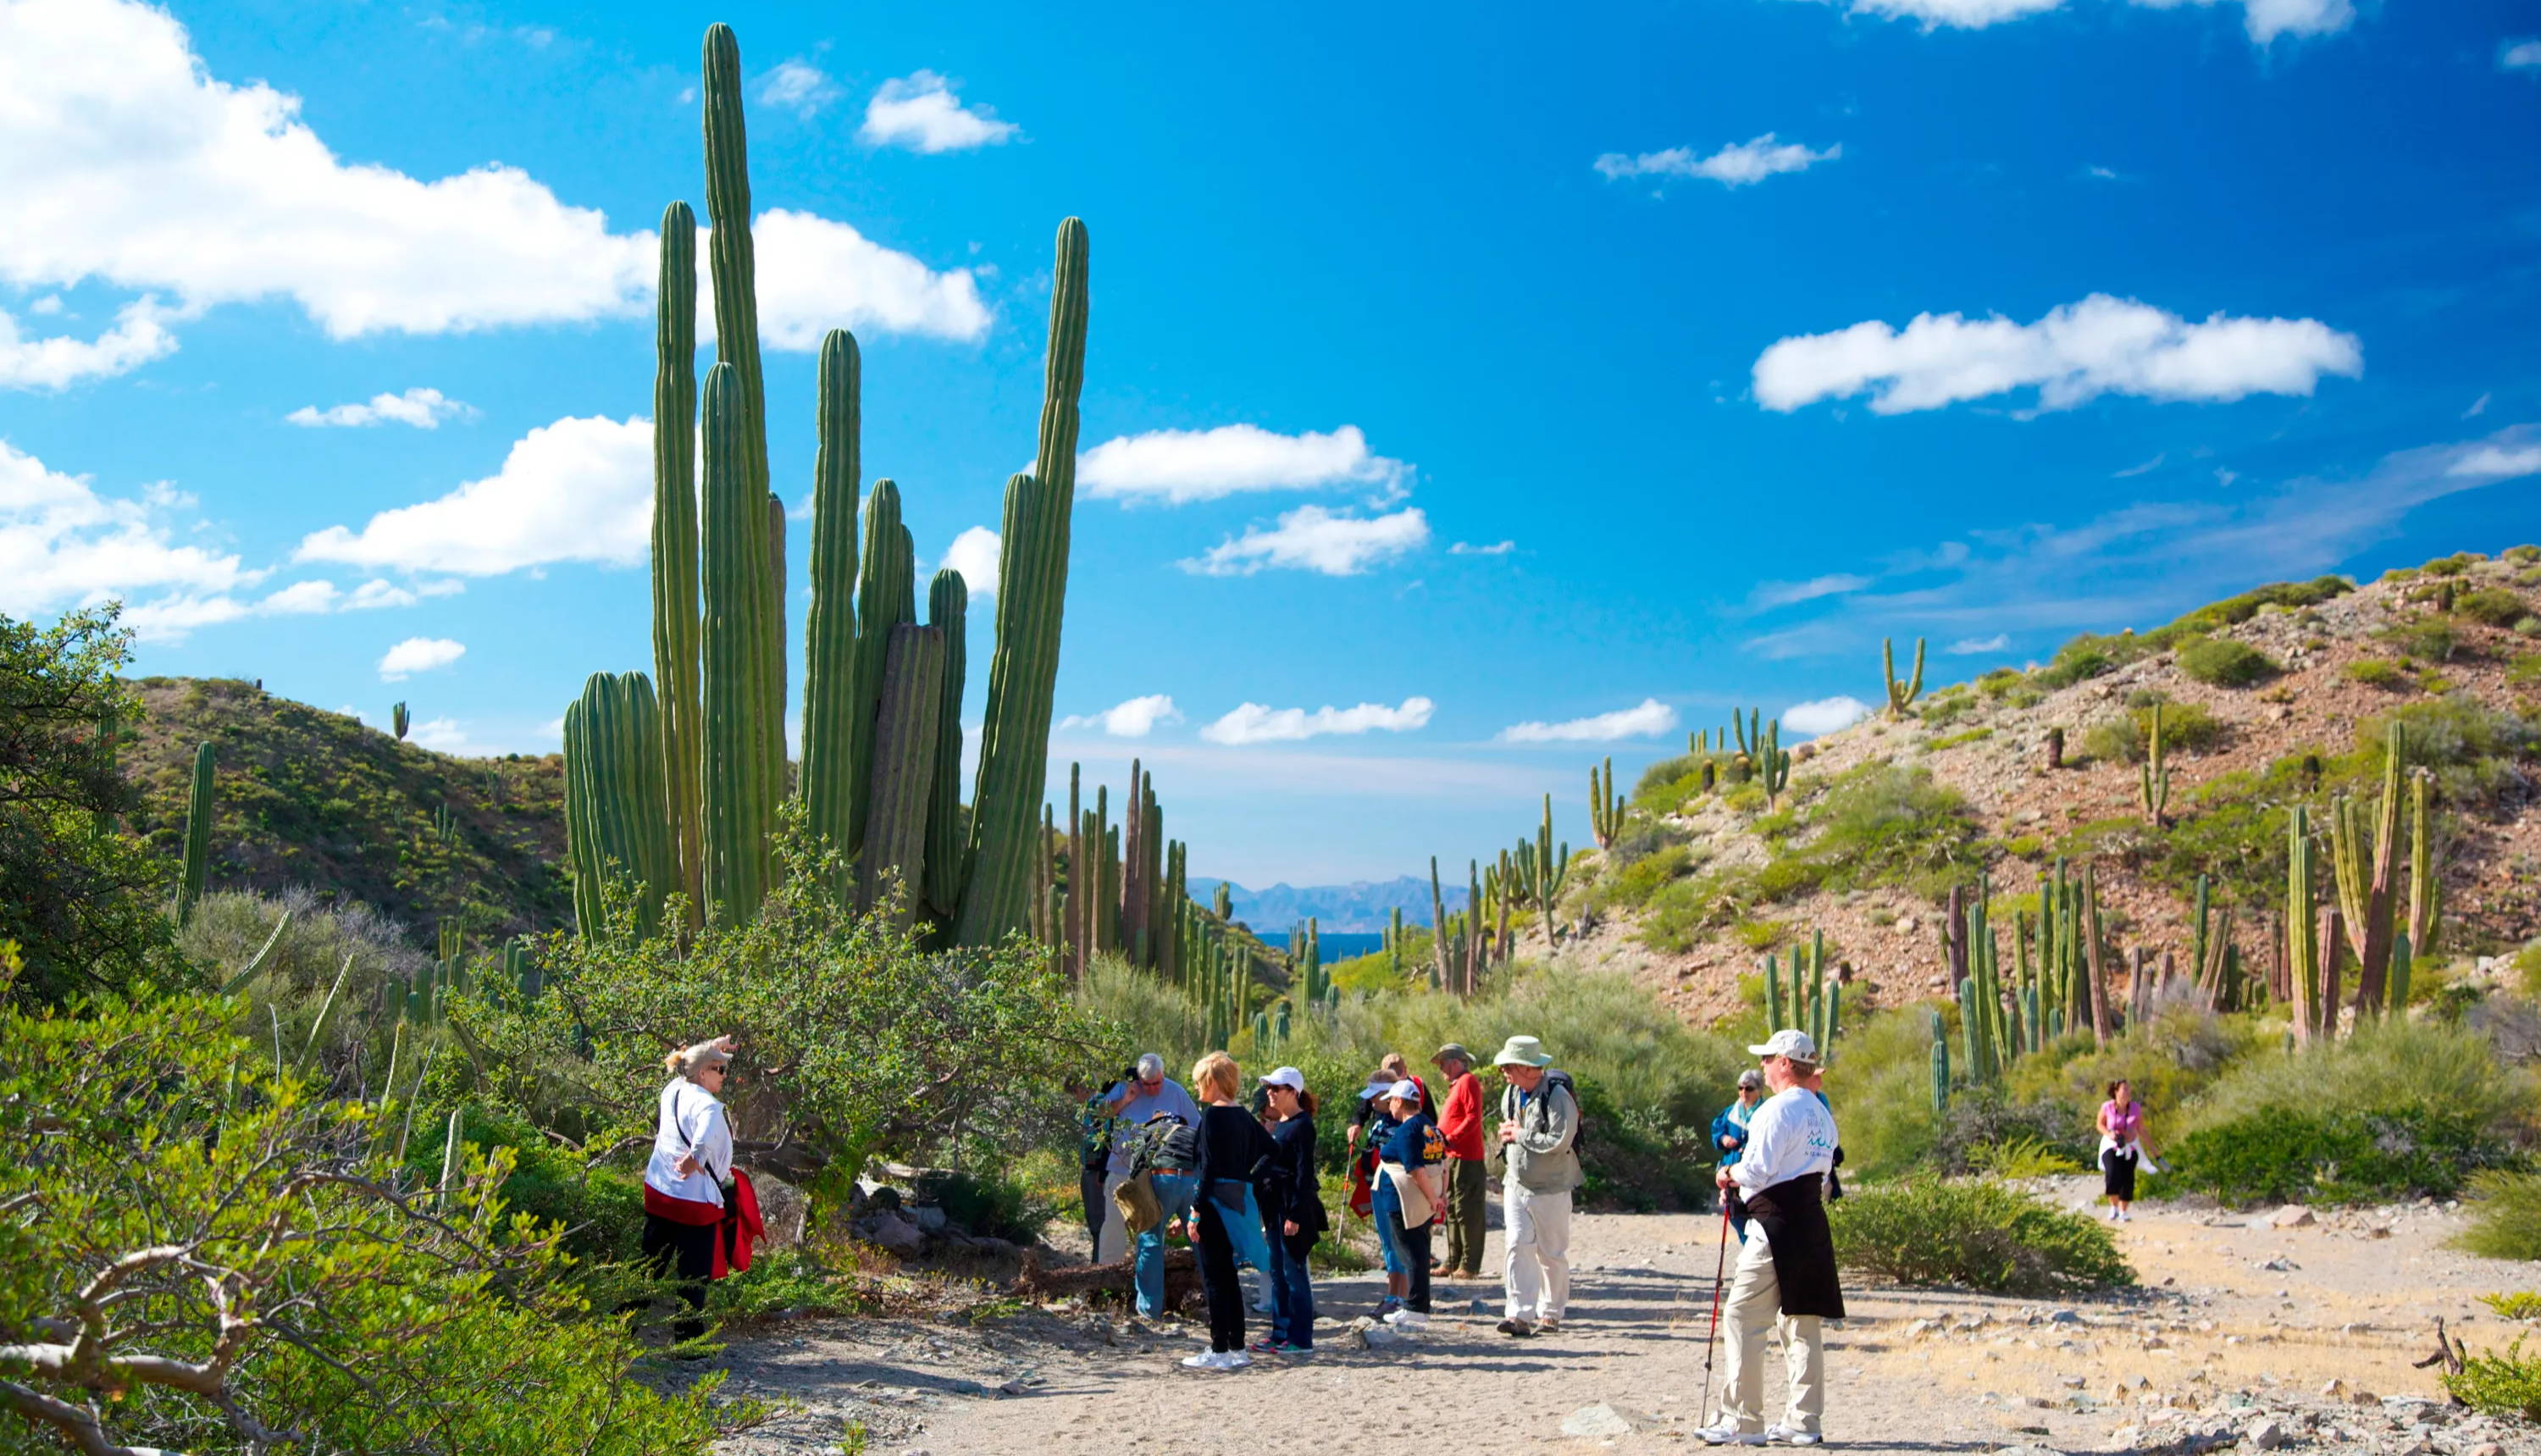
point(1360, 908)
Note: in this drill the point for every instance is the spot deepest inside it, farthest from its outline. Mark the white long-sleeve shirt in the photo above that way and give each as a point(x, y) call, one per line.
point(1792, 1135)
point(692, 1123)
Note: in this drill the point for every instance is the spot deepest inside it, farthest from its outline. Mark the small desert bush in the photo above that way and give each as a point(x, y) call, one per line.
point(2022, 1156)
point(2507, 1384)
point(2220, 662)
point(2185, 727)
point(2426, 639)
point(2521, 553)
point(2377, 672)
point(2505, 1216)
point(2452, 565)
point(2521, 1305)
point(1977, 1235)
point(2524, 671)
point(2493, 606)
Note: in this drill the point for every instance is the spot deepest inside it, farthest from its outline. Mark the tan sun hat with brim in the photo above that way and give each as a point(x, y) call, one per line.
point(1523, 1051)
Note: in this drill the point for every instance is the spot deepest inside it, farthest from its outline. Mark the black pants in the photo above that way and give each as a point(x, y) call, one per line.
point(1217, 1277)
point(2118, 1175)
point(1414, 1243)
point(1089, 1187)
point(684, 1250)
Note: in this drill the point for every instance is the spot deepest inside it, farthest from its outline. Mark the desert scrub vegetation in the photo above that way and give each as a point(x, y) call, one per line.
point(2399, 1109)
point(2492, 607)
point(2186, 727)
point(2522, 1304)
point(1974, 1234)
point(2379, 672)
point(2220, 662)
point(2499, 1384)
point(2092, 654)
point(2504, 1217)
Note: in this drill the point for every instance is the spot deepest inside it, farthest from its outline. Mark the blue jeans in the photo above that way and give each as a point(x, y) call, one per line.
point(1174, 1193)
point(1244, 1230)
point(1292, 1293)
point(1386, 1210)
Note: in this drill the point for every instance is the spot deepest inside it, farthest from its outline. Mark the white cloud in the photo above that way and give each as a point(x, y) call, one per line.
point(1496, 548)
point(125, 160)
point(919, 111)
point(2265, 20)
point(2497, 462)
point(1735, 165)
point(2478, 407)
point(300, 599)
point(375, 593)
point(1136, 718)
point(1825, 715)
point(1256, 722)
point(2147, 468)
point(423, 409)
point(441, 735)
point(575, 491)
point(1652, 716)
point(2519, 56)
point(138, 336)
point(1977, 646)
point(2104, 174)
point(1179, 466)
point(1313, 538)
point(63, 544)
point(974, 553)
point(799, 86)
point(419, 655)
point(2078, 352)
point(1771, 594)
point(816, 275)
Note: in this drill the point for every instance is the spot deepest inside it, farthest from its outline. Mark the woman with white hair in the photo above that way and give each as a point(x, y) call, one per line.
point(699, 1213)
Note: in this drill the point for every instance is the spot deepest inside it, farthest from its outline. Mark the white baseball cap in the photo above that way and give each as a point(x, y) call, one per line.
point(1407, 1090)
point(1794, 1045)
point(1287, 1076)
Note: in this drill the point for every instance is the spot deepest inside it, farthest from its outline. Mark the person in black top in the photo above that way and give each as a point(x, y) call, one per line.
point(1235, 1154)
point(1292, 1213)
point(1408, 1164)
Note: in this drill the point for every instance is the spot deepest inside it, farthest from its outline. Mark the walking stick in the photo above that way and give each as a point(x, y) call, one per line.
point(1718, 1265)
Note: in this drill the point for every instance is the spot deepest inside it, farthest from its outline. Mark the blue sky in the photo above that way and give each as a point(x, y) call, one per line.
point(1454, 370)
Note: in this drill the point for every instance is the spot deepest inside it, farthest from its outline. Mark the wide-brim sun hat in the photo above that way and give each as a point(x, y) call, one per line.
point(1523, 1051)
point(1794, 1045)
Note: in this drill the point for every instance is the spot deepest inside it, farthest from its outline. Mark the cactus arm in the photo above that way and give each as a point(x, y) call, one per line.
point(904, 771)
point(675, 544)
point(831, 656)
point(948, 607)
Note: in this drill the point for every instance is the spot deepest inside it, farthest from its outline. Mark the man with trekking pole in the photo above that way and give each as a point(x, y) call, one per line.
point(1785, 1268)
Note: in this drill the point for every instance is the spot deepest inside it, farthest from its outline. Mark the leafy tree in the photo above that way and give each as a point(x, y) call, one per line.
point(82, 899)
point(198, 1254)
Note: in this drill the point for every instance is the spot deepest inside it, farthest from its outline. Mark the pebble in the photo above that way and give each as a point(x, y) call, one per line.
point(2265, 1435)
point(2292, 1215)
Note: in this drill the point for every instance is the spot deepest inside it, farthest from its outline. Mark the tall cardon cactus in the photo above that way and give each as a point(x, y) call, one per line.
point(674, 550)
point(615, 819)
point(833, 717)
point(199, 836)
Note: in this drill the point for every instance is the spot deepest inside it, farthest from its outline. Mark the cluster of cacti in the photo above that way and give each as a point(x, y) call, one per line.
point(1808, 1001)
point(1533, 873)
point(880, 768)
point(2365, 919)
point(614, 790)
point(1307, 977)
point(1115, 888)
point(2216, 960)
point(1225, 981)
point(1761, 754)
point(1466, 943)
point(2154, 773)
point(199, 836)
point(445, 824)
point(1605, 806)
point(397, 720)
point(1901, 694)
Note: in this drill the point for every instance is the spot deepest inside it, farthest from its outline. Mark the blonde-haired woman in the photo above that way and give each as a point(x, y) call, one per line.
point(699, 1213)
point(1235, 1154)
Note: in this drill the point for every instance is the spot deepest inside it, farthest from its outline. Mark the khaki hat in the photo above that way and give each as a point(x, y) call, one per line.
point(1523, 1051)
point(1794, 1045)
point(1451, 1051)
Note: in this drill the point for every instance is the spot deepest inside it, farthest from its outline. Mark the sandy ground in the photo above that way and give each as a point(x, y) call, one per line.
point(2236, 1323)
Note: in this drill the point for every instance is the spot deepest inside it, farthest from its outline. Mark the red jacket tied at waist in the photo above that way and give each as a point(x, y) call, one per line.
point(740, 1220)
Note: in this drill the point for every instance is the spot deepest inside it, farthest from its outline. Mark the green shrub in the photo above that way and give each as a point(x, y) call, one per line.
point(1759, 935)
point(2493, 606)
point(2020, 1157)
point(601, 1211)
point(2505, 1215)
point(1946, 707)
point(2523, 1305)
point(2524, 671)
point(2220, 662)
point(1973, 735)
point(2233, 611)
point(1665, 785)
point(2375, 672)
point(2521, 553)
point(1881, 1085)
point(2472, 749)
point(2086, 656)
point(1636, 882)
point(2186, 727)
point(2168, 1060)
point(2398, 574)
point(2452, 565)
point(2527, 626)
point(1976, 1235)
point(2499, 1384)
point(1999, 681)
point(2426, 639)
point(2348, 1157)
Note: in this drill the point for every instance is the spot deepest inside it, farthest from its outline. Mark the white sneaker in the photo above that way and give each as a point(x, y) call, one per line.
point(1234, 1359)
point(1792, 1435)
point(1205, 1360)
point(1726, 1435)
point(1409, 1319)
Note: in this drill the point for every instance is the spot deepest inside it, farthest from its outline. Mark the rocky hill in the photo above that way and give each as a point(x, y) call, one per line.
point(2272, 698)
point(318, 799)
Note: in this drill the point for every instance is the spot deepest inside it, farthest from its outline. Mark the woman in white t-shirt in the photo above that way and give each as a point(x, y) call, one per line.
point(684, 1181)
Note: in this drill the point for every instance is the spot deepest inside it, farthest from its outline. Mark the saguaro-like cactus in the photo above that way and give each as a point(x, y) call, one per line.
point(2154, 773)
point(1032, 593)
point(2425, 875)
point(886, 598)
point(674, 550)
point(199, 836)
point(833, 717)
point(615, 820)
point(1605, 806)
point(1773, 763)
point(398, 721)
point(2302, 973)
point(948, 608)
point(1901, 696)
point(904, 769)
point(740, 783)
point(2365, 865)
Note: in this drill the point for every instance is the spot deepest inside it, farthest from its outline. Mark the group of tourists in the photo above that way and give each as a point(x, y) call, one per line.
point(1240, 1182)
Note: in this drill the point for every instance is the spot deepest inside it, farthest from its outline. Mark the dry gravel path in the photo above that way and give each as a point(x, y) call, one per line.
point(2215, 1344)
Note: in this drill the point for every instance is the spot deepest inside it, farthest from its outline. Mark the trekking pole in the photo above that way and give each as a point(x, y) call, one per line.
point(1719, 1266)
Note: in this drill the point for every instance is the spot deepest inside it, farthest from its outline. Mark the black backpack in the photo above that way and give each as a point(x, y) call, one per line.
point(1555, 1078)
point(1164, 1142)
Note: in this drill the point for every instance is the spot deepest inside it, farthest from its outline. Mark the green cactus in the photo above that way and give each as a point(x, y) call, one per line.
point(1221, 903)
point(2153, 773)
point(886, 599)
point(1940, 1075)
point(615, 820)
point(904, 770)
point(1774, 1019)
point(2426, 879)
point(199, 836)
point(2403, 960)
point(1605, 806)
point(1032, 590)
point(1901, 696)
point(2301, 969)
point(674, 550)
point(836, 712)
point(397, 720)
point(740, 783)
point(1773, 764)
point(948, 607)
point(2364, 864)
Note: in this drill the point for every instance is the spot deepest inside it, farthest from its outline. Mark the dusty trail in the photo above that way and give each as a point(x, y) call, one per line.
point(2194, 1363)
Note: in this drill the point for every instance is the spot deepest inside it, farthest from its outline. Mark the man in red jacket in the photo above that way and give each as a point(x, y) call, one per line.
point(1460, 1120)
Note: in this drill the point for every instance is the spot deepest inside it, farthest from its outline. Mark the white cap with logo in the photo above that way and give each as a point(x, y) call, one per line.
point(1287, 1076)
point(1794, 1045)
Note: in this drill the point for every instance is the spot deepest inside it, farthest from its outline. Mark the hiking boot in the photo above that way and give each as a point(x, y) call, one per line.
point(1792, 1435)
point(1547, 1326)
point(1516, 1329)
point(1726, 1435)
